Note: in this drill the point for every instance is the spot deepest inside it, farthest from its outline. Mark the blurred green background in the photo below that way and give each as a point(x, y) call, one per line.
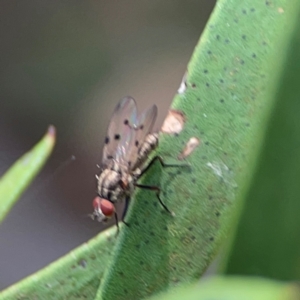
point(67, 63)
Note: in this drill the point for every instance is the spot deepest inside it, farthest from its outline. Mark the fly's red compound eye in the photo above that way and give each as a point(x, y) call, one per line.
point(105, 206)
point(97, 202)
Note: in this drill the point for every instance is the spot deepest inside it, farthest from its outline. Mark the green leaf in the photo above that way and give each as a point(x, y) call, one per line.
point(74, 276)
point(267, 241)
point(234, 288)
point(14, 182)
point(226, 99)
point(225, 102)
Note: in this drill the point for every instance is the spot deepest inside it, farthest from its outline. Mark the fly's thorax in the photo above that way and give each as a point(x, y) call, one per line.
point(114, 183)
point(108, 185)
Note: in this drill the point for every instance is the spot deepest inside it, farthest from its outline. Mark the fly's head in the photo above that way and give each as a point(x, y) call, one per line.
point(103, 209)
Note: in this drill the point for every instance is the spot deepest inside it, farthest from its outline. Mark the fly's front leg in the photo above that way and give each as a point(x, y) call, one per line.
point(117, 223)
point(157, 191)
point(127, 200)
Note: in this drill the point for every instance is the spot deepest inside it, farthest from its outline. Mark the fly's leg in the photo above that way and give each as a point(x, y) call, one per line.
point(117, 223)
point(157, 191)
point(163, 164)
point(156, 188)
point(127, 200)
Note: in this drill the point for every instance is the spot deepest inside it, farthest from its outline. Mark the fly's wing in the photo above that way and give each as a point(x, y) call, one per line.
point(143, 127)
point(119, 133)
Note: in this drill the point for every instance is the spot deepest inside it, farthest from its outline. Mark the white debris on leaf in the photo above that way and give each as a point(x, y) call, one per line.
point(222, 171)
point(183, 84)
point(190, 146)
point(174, 122)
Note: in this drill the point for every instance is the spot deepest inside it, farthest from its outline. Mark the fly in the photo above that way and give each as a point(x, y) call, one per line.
point(128, 143)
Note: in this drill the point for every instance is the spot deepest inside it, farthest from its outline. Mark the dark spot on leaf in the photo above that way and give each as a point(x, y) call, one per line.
point(211, 239)
point(137, 246)
point(193, 237)
point(217, 37)
point(117, 136)
point(126, 122)
point(227, 41)
point(236, 20)
point(193, 180)
point(106, 141)
point(210, 197)
point(222, 100)
point(244, 11)
point(152, 233)
point(206, 143)
point(147, 242)
point(190, 264)
point(198, 99)
point(244, 37)
point(252, 9)
point(218, 214)
point(268, 3)
point(205, 71)
point(193, 85)
point(247, 124)
point(136, 223)
point(209, 52)
point(221, 80)
point(254, 55)
point(141, 263)
point(92, 256)
point(207, 84)
point(125, 291)
point(82, 263)
point(242, 62)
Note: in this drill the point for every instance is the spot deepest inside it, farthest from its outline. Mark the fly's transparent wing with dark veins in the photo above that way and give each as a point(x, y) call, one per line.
point(143, 127)
point(120, 134)
point(127, 132)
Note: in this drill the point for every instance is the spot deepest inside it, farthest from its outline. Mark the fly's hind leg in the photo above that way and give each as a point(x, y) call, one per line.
point(157, 190)
point(163, 164)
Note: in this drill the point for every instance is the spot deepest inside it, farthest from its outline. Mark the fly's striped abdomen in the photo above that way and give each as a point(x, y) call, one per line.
point(150, 143)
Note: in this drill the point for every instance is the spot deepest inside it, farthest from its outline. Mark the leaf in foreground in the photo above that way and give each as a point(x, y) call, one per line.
point(14, 182)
